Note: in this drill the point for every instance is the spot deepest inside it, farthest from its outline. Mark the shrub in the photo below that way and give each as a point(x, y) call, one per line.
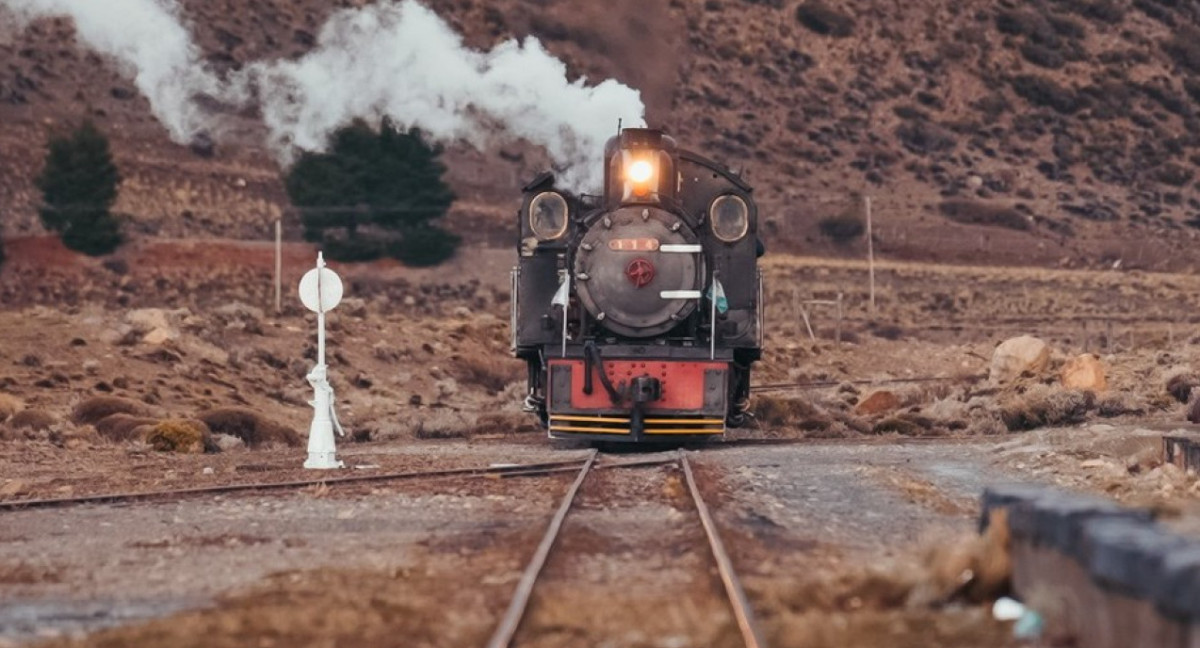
point(183, 436)
point(1046, 406)
point(970, 212)
point(248, 426)
point(371, 190)
point(92, 410)
point(489, 371)
point(33, 419)
point(824, 20)
point(904, 425)
point(1042, 56)
point(79, 186)
point(920, 136)
point(122, 427)
point(843, 228)
point(444, 424)
point(1041, 91)
point(775, 411)
point(1180, 385)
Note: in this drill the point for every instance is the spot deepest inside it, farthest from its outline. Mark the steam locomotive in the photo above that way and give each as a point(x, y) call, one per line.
point(640, 312)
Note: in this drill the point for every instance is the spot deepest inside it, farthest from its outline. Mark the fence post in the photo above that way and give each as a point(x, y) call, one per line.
point(278, 267)
point(838, 334)
point(870, 256)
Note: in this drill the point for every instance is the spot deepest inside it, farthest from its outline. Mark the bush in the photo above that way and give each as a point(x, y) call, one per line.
point(183, 436)
point(33, 419)
point(371, 192)
point(925, 137)
point(79, 186)
point(1040, 91)
point(1046, 406)
point(969, 212)
point(92, 410)
point(843, 228)
point(775, 411)
point(824, 20)
point(1180, 385)
point(1042, 56)
point(492, 372)
point(122, 427)
point(248, 426)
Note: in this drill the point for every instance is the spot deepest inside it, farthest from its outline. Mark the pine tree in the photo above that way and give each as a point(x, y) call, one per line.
point(79, 186)
point(374, 194)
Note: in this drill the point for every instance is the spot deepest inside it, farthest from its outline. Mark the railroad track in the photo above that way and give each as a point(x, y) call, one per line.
point(732, 589)
point(515, 470)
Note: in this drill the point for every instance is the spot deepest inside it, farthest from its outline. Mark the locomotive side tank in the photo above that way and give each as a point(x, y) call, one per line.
point(639, 312)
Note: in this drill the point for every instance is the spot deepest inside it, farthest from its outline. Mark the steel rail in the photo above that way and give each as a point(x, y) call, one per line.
point(751, 634)
point(504, 633)
point(110, 498)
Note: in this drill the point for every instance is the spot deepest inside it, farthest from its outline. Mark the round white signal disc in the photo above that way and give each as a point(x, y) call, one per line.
point(321, 290)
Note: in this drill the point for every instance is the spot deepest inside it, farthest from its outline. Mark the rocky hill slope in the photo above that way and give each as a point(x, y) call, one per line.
point(1042, 132)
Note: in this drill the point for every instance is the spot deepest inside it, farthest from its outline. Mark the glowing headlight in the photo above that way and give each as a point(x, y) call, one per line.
point(640, 172)
point(730, 218)
point(548, 216)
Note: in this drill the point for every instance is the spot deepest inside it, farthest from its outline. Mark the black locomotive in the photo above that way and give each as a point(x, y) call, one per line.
point(640, 312)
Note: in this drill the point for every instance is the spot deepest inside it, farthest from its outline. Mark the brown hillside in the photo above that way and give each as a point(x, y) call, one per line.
point(1053, 131)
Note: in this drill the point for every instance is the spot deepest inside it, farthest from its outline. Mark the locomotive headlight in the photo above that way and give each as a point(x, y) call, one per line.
point(548, 213)
point(730, 218)
point(641, 171)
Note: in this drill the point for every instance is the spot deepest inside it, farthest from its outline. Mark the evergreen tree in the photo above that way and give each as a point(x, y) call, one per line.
point(374, 194)
point(79, 186)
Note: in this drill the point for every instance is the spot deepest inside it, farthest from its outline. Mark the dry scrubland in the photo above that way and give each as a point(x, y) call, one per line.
point(1053, 131)
point(174, 347)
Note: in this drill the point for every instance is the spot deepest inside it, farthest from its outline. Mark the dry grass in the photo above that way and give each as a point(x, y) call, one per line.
point(506, 423)
point(905, 424)
point(1044, 405)
point(92, 410)
point(249, 426)
point(444, 424)
point(783, 411)
point(491, 371)
point(1121, 404)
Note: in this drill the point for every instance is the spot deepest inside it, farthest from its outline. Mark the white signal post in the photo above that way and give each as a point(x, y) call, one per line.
point(321, 291)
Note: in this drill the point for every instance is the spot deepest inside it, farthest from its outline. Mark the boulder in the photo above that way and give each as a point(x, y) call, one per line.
point(1017, 356)
point(878, 403)
point(154, 325)
point(1084, 372)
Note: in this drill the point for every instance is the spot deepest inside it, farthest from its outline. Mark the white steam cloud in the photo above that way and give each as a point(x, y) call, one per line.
point(397, 60)
point(149, 42)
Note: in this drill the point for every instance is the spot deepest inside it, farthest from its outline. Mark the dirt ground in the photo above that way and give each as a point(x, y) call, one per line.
point(842, 539)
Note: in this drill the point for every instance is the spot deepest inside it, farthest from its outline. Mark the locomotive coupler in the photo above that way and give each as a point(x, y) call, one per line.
point(642, 390)
point(645, 389)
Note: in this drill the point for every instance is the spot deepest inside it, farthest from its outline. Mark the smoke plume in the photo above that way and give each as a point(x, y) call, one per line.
point(395, 60)
point(148, 41)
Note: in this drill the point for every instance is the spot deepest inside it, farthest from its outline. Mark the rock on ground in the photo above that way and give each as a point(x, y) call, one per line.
point(1084, 372)
point(1016, 356)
